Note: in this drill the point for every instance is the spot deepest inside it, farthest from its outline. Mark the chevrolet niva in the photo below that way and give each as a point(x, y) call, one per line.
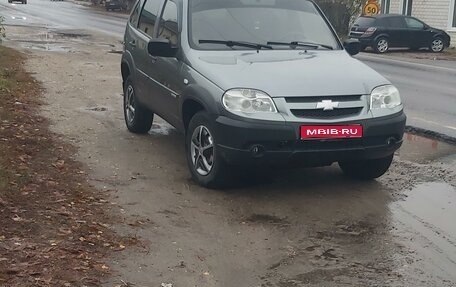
point(255, 83)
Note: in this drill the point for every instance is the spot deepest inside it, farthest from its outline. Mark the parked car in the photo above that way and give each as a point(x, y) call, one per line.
point(115, 5)
point(254, 83)
point(386, 31)
point(22, 1)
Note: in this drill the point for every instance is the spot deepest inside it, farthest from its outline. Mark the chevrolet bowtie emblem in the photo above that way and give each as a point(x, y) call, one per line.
point(327, 105)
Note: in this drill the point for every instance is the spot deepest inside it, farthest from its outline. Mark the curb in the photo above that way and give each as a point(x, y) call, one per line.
point(430, 134)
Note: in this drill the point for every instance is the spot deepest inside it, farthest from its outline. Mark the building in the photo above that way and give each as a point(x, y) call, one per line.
point(439, 14)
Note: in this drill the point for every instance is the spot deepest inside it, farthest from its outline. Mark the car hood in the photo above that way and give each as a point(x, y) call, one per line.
point(288, 73)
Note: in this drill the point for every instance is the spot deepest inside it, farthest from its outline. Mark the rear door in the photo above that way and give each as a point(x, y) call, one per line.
point(418, 35)
point(397, 31)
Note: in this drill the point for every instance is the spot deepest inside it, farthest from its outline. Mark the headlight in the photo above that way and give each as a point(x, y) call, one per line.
point(385, 97)
point(248, 101)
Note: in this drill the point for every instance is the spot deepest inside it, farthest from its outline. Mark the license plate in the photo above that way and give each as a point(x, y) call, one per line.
point(331, 132)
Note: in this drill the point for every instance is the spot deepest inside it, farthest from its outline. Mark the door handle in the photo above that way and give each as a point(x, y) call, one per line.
point(132, 43)
point(153, 58)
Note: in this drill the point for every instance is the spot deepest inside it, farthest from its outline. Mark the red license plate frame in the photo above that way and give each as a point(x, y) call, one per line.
point(321, 132)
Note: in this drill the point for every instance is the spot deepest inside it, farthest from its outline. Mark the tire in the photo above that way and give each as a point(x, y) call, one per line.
point(437, 45)
point(381, 46)
point(207, 167)
point(367, 169)
point(137, 118)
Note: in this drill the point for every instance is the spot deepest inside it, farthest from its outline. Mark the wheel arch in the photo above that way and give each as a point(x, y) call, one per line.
point(193, 100)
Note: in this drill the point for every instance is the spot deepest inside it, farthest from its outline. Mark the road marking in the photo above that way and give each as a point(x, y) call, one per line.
point(380, 58)
point(432, 122)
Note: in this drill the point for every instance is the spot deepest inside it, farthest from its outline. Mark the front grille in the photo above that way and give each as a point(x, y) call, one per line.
point(325, 98)
point(327, 115)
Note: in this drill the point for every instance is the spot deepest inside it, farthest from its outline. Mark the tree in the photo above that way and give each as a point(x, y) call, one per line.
point(341, 13)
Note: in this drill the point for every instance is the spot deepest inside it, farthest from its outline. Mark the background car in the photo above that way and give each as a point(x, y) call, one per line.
point(22, 1)
point(115, 5)
point(386, 31)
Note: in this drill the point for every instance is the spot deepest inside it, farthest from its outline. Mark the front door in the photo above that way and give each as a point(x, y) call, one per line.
point(167, 70)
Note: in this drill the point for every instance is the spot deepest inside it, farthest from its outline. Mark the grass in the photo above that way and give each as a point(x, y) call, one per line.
point(44, 195)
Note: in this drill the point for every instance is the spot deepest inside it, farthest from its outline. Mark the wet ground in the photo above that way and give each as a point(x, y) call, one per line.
point(305, 227)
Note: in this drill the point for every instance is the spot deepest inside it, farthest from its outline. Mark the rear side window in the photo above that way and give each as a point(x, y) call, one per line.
point(148, 16)
point(134, 18)
point(414, 24)
point(169, 28)
point(365, 22)
point(396, 22)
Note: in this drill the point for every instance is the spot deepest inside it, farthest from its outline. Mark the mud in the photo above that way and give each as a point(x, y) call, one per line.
point(306, 227)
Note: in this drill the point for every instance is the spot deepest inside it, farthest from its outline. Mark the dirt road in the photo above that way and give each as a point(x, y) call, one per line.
point(297, 228)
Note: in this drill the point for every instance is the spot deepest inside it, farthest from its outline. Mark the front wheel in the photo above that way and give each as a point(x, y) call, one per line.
point(367, 169)
point(206, 165)
point(437, 45)
point(381, 45)
point(137, 118)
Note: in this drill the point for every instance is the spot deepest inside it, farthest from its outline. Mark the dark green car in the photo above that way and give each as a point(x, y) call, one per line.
point(255, 83)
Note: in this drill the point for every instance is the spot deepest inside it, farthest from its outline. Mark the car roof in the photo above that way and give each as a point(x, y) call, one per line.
point(381, 16)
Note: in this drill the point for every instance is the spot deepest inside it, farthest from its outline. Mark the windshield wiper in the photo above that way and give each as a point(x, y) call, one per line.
point(237, 43)
point(295, 44)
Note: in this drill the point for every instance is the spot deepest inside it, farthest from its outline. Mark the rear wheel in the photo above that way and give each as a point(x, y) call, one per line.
point(367, 169)
point(206, 165)
point(137, 118)
point(437, 45)
point(381, 45)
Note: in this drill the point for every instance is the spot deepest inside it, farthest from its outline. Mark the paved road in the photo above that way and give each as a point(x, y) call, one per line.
point(428, 88)
point(63, 15)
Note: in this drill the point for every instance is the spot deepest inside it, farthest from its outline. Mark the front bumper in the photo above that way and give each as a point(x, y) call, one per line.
point(250, 142)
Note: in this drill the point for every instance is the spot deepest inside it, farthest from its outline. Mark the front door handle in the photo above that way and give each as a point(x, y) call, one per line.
point(153, 59)
point(132, 43)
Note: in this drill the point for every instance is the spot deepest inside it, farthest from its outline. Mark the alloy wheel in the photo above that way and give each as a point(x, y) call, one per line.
point(437, 45)
point(202, 150)
point(130, 104)
point(382, 46)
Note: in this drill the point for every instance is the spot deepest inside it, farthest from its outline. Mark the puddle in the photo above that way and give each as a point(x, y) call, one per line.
point(420, 149)
point(425, 223)
point(19, 18)
point(162, 129)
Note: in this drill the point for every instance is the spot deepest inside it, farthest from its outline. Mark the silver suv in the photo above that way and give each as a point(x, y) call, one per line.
point(256, 83)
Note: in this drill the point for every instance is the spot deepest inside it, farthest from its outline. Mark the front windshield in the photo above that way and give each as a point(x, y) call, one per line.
point(257, 21)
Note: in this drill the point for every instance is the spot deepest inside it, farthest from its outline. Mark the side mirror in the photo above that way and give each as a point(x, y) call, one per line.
point(352, 46)
point(161, 48)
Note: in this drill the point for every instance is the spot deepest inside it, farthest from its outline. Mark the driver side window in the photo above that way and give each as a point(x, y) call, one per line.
point(169, 27)
point(149, 17)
